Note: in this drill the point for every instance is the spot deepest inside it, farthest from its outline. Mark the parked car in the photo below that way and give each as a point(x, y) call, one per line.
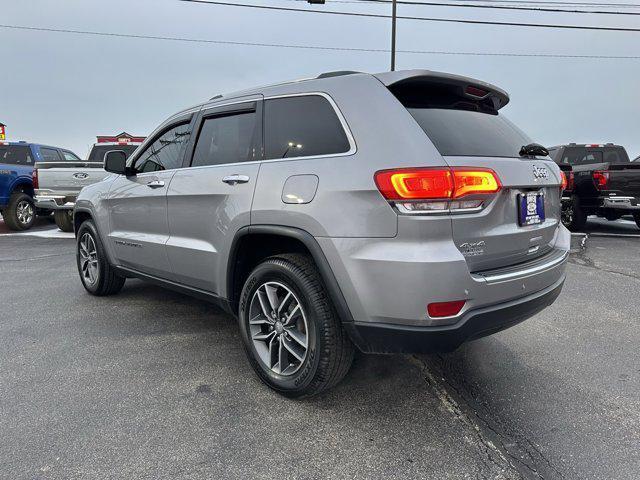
point(17, 160)
point(397, 212)
point(602, 182)
point(57, 184)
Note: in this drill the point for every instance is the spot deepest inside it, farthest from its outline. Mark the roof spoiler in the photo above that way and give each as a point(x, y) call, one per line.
point(471, 88)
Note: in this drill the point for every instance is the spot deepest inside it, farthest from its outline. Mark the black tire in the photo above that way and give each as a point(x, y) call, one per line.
point(105, 281)
point(329, 351)
point(64, 220)
point(636, 217)
point(573, 217)
point(15, 216)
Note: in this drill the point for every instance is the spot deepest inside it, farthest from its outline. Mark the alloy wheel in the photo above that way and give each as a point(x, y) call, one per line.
point(278, 328)
point(89, 268)
point(24, 212)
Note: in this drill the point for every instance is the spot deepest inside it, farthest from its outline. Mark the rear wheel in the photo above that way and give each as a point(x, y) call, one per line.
point(20, 213)
point(291, 333)
point(97, 275)
point(573, 217)
point(64, 220)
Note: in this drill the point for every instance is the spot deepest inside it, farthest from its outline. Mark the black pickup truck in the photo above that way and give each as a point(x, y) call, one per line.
point(600, 181)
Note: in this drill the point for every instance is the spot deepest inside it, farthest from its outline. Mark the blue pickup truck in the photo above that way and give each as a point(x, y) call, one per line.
point(17, 183)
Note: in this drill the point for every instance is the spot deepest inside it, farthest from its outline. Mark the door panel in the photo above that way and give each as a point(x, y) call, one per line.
point(209, 201)
point(204, 215)
point(139, 227)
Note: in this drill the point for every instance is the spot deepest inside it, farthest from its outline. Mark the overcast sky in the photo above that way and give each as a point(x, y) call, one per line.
point(64, 89)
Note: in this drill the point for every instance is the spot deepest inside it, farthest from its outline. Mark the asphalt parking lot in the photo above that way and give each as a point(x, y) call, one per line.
point(154, 384)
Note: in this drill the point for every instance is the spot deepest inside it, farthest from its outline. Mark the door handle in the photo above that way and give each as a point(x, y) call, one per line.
point(235, 179)
point(155, 184)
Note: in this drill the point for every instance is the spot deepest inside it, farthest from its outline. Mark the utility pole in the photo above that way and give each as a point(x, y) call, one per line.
point(393, 35)
point(394, 6)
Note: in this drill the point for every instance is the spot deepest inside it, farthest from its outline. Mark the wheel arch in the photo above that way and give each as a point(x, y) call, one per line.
point(22, 185)
point(272, 240)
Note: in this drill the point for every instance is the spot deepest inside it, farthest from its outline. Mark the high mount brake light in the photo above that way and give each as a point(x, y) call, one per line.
point(430, 184)
point(601, 179)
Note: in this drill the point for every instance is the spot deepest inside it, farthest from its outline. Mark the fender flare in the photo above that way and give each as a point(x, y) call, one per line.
point(326, 273)
point(20, 181)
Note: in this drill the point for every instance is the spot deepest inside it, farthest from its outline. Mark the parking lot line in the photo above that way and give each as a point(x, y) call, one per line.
point(50, 233)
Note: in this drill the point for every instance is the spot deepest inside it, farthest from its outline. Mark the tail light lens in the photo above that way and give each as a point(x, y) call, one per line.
point(563, 182)
point(601, 179)
point(35, 178)
point(435, 188)
point(445, 309)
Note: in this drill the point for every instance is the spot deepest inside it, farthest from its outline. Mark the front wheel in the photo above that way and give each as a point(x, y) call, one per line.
point(98, 277)
point(292, 336)
point(64, 220)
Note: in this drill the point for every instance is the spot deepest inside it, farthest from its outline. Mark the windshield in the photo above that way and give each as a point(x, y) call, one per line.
point(470, 133)
point(98, 151)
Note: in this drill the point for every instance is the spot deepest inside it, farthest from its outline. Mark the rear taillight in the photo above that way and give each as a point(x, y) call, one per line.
point(563, 182)
point(35, 178)
point(445, 309)
point(437, 189)
point(601, 179)
point(571, 181)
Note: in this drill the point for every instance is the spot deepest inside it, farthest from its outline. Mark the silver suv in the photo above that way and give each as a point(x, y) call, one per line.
point(397, 212)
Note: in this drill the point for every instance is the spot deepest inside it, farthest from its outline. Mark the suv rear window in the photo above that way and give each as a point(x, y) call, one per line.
point(302, 126)
point(465, 133)
point(15, 155)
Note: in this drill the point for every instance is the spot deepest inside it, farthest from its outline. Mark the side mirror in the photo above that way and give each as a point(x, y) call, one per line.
point(115, 161)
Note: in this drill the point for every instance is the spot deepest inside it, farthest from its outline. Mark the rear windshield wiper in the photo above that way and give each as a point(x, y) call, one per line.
point(534, 150)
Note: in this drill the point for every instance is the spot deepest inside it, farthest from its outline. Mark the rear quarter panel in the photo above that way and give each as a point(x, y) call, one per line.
point(347, 202)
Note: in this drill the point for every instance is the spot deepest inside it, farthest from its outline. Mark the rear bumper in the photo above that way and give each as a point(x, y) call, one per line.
point(52, 201)
point(622, 203)
point(389, 338)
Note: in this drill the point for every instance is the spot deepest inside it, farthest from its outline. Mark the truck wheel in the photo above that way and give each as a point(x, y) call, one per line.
point(64, 220)
point(292, 336)
point(573, 217)
point(20, 213)
point(97, 275)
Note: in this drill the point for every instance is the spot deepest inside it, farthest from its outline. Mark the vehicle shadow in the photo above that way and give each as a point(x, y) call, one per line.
point(624, 226)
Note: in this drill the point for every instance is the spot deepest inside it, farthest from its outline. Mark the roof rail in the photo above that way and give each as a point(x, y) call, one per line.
point(338, 73)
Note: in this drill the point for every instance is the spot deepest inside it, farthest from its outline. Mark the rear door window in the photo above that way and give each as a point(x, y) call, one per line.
point(15, 155)
point(49, 154)
point(70, 156)
point(226, 139)
point(302, 126)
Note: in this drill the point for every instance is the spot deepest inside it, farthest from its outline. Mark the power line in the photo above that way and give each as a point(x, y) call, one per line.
point(427, 19)
point(575, 4)
point(498, 7)
point(317, 47)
